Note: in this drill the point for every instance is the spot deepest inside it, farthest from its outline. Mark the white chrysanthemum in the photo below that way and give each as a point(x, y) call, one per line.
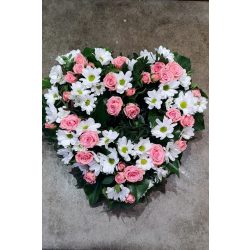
point(88, 103)
point(142, 147)
point(66, 153)
point(125, 148)
point(153, 100)
point(172, 152)
point(123, 81)
point(96, 167)
point(51, 113)
point(185, 80)
point(185, 102)
point(66, 138)
point(78, 146)
point(91, 76)
point(52, 95)
point(103, 56)
point(169, 103)
point(144, 162)
point(169, 89)
point(88, 124)
point(200, 104)
point(187, 133)
point(165, 53)
point(151, 56)
point(108, 137)
point(61, 114)
point(71, 55)
point(56, 75)
point(78, 89)
point(161, 173)
point(163, 129)
point(98, 88)
point(109, 162)
point(118, 192)
point(131, 64)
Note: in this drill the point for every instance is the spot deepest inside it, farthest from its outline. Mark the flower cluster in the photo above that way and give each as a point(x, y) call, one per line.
point(122, 123)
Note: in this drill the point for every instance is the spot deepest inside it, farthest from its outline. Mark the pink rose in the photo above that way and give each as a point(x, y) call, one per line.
point(133, 174)
point(130, 199)
point(120, 178)
point(157, 154)
point(110, 81)
point(66, 96)
point(156, 68)
point(155, 77)
point(49, 125)
point(84, 157)
point(174, 114)
point(119, 61)
point(78, 68)
point(145, 77)
point(70, 122)
point(176, 69)
point(80, 59)
point(90, 64)
point(114, 105)
point(182, 145)
point(121, 165)
point(187, 121)
point(196, 93)
point(166, 75)
point(131, 110)
point(130, 92)
point(89, 139)
point(70, 77)
point(90, 177)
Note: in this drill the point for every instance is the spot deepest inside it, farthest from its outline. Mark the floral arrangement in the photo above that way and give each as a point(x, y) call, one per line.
point(121, 123)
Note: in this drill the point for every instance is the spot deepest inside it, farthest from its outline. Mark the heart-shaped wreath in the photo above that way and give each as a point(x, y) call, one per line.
point(121, 123)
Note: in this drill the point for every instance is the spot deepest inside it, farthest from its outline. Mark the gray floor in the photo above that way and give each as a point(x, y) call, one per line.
point(174, 220)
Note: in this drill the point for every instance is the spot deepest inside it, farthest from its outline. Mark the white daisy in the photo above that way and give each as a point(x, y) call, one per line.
point(103, 56)
point(153, 100)
point(61, 114)
point(172, 152)
point(125, 148)
point(169, 89)
point(88, 103)
point(131, 64)
point(151, 57)
point(118, 192)
point(66, 138)
point(163, 129)
point(200, 104)
point(88, 124)
point(78, 146)
point(51, 113)
point(66, 153)
point(78, 89)
point(185, 102)
point(72, 54)
point(108, 137)
point(52, 95)
point(142, 147)
point(144, 162)
point(91, 76)
point(161, 173)
point(56, 75)
point(187, 133)
point(123, 81)
point(109, 162)
point(165, 53)
point(185, 80)
point(169, 103)
point(98, 88)
point(96, 167)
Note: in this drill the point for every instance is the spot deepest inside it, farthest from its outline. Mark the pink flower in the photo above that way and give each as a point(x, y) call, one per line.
point(196, 93)
point(80, 59)
point(155, 77)
point(78, 68)
point(174, 114)
point(176, 69)
point(166, 75)
point(114, 105)
point(120, 178)
point(110, 81)
point(90, 64)
point(121, 165)
point(187, 121)
point(119, 61)
point(130, 92)
point(90, 177)
point(130, 199)
point(49, 125)
point(145, 77)
point(66, 95)
point(84, 157)
point(70, 122)
point(70, 77)
point(156, 68)
point(157, 154)
point(89, 139)
point(133, 174)
point(182, 145)
point(131, 110)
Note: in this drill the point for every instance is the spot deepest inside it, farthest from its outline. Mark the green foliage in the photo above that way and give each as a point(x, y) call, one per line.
point(46, 83)
point(183, 61)
point(152, 116)
point(93, 192)
point(140, 66)
point(108, 180)
point(139, 189)
point(173, 167)
point(199, 122)
point(89, 53)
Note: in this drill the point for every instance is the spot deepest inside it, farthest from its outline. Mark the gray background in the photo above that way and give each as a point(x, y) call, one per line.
point(176, 219)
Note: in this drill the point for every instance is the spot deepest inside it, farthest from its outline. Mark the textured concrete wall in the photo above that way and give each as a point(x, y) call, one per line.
point(174, 220)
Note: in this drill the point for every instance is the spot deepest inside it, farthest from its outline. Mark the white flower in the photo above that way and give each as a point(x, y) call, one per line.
point(71, 55)
point(51, 113)
point(185, 102)
point(88, 124)
point(56, 75)
point(66, 153)
point(103, 56)
point(78, 89)
point(200, 104)
point(185, 80)
point(187, 133)
point(151, 57)
point(169, 103)
point(161, 173)
point(88, 103)
point(153, 100)
point(144, 162)
point(142, 147)
point(98, 88)
point(131, 64)
point(109, 162)
point(78, 146)
point(66, 138)
point(91, 76)
point(168, 90)
point(118, 192)
point(165, 53)
point(172, 152)
point(123, 81)
point(163, 129)
point(52, 95)
point(108, 137)
point(125, 148)
point(61, 114)
point(96, 167)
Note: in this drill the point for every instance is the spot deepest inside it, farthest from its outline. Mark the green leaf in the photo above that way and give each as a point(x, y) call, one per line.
point(139, 189)
point(193, 85)
point(108, 180)
point(93, 192)
point(183, 61)
point(199, 122)
point(152, 116)
point(46, 83)
point(203, 94)
point(173, 167)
